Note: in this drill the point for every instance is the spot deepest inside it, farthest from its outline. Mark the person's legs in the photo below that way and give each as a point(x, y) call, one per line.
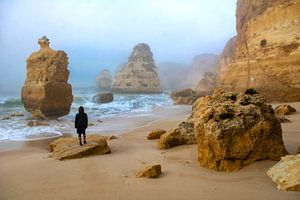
point(79, 136)
point(84, 139)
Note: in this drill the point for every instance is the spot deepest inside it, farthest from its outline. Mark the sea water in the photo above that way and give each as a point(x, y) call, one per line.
point(123, 106)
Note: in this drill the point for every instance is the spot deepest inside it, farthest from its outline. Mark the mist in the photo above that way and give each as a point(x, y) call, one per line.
point(100, 35)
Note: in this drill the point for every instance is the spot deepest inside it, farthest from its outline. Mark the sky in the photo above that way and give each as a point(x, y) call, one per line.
point(101, 34)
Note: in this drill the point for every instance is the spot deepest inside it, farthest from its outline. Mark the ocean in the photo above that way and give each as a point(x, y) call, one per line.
point(123, 106)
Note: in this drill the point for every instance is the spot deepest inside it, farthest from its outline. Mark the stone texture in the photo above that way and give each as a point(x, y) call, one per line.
point(267, 55)
point(155, 134)
point(104, 80)
point(208, 83)
point(103, 98)
point(182, 134)
point(152, 171)
point(139, 75)
point(187, 96)
point(235, 129)
point(68, 147)
point(286, 173)
point(46, 93)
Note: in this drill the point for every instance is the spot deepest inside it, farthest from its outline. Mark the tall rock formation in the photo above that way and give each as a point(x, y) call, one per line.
point(46, 92)
point(104, 80)
point(267, 55)
point(139, 75)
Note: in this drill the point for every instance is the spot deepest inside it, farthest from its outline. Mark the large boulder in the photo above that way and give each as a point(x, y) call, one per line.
point(139, 75)
point(46, 92)
point(152, 171)
point(104, 80)
point(182, 134)
point(103, 98)
point(187, 96)
point(235, 129)
point(286, 173)
point(68, 147)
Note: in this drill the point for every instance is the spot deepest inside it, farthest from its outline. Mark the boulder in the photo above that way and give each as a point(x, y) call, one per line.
point(139, 75)
point(286, 173)
point(68, 147)
point(103, 98)
point(155, 134)
point(235, 129)
point(46, 92)
point(282, 110)
point(187, 96)
point(152, 171)
point(104, 80)
point(182, 134)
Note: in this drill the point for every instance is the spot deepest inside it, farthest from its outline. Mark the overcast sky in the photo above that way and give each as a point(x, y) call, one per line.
point(101, 34)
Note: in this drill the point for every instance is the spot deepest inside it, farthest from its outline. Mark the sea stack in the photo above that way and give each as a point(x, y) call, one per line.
point(46, 92)
point(104, 80)
point(139, 75)
point(267, 53)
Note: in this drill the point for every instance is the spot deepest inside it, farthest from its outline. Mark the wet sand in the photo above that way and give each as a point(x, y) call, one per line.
point(27, 172)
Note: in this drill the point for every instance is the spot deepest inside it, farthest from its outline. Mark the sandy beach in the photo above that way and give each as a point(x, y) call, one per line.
point(27, 172)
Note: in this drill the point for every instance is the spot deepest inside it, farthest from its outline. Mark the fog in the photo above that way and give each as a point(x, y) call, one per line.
point(100, 35)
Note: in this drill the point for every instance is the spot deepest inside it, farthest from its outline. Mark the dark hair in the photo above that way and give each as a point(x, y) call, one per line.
point(81, 109)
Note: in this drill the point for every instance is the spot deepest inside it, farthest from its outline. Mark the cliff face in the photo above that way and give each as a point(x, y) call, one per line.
point(139, 75)
point(267, 55)
point(46, 92)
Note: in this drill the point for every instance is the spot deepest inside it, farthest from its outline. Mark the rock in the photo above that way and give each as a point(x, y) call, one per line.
point(91, 124)
point(186, 96)
point(139, 75)
point(103, 98)
point(104, 80)
point(46, 93)
point(155, 134)
point(5, 118)
point(111, 137)
point(208, 83)
point(284, 110)
point(286, 173)
point(32, 123)
point(282, 118)
point(182, 134)
point(267, 54)
point(16, 114)
point(68, 147)
point(235, 129)
point(298, 151)
point(152, 171)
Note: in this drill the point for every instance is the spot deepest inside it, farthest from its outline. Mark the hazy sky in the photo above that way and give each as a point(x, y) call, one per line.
point(101, 34)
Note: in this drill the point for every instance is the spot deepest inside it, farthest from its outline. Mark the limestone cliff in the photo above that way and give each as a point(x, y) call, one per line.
point(46, 92)
point(139, 75)
point(267, 55)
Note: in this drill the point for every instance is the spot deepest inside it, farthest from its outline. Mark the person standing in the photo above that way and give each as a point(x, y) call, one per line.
point(81, 123)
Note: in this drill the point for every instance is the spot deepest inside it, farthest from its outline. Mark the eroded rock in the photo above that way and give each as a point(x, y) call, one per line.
point(103, 98)
point(284, 110)
point(234, 130)
point(155, 134)
point(152, 171)
point(187, 96)
point(68, 147)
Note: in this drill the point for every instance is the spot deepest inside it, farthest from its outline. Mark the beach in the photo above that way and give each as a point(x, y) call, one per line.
point(27, 171)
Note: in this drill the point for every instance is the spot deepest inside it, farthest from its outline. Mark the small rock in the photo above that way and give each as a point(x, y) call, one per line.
point(111, 137)
point(5, 118)
point(286, 173)
point(91, 124)
point(16, 114)
point(68, 147)
point(285, 109)
point(32, 123)
point(155, 134)
point(152, 171)
point(103, 98)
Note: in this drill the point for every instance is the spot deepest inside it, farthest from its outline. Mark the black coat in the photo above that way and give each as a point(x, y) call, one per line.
point(81, 122)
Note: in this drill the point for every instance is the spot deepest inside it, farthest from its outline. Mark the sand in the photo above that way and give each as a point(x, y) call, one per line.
point(26, 171)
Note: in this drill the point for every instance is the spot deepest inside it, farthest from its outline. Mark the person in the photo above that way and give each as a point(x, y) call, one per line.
point(81, 123)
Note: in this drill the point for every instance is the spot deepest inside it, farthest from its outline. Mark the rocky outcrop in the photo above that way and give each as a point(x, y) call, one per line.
point(155, 134)
point(187, 96)
point(208, 83)
point(139, 75)
point(104, 80)
point(267, 55)
point(235, 129)
point(68, 148)
point(182, 134)
point(103, 98)
point(46, 93)
point(286, 173)
point(152, 171)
